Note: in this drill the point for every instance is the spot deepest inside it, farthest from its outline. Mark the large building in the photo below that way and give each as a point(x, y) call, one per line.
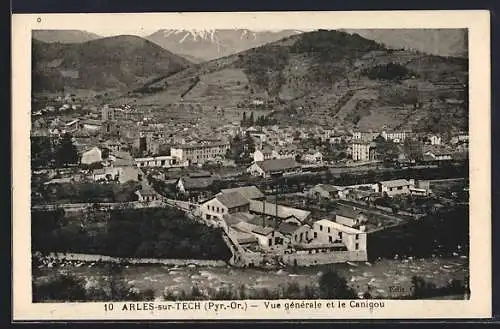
point(200, 153)
point(107, 113)
point(363, 151)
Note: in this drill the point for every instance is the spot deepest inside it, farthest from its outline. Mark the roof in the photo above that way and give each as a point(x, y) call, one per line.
point(283, 211)
point(263, 230)
point(246, 238)
point(92, 122)
point(147, 190)
point(395, 183)
point(349, 212)
point(237, 217)
point(287, 228)
point(199, 146)
point(328, 187)
point(244, 227)
point(338, 226)
point(200, 174)
point(248, 192)
point(277, 164)
point(266, 150)
point(191, 183)
point(232, 200)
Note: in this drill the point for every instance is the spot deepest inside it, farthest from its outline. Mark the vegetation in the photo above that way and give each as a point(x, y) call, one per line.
point(46, 151)
point(422, 289)
point(150, 233)
point(88, 193)
point(391, 71)
point(66, 287)
point(241, 148)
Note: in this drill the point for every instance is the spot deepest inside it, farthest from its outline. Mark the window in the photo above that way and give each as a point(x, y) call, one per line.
point(356, 247)
point(330, 239)
point(321, 227)
point(328, 230)
point(217, 209)
point(315, 235)
point(340, 235)
point(357, 236)
point(400, 187)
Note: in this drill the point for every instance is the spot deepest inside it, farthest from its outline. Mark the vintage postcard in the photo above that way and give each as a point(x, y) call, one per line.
point(294, 165)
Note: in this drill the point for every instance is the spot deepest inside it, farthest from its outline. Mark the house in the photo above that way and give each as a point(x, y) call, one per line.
point(147, 194)
point(91, 156)
point(363, 151)
point(351, 217)
point(325, 191)
point(129, 174)
point(266, 153)
point(302, 234)
point(268, 237)
point(313, 157)
point(279, 212)
point(200, 153)
point(274, 167)
point(193, 184)
point(248, 192)
point(435, 140)
point(108, 174)
point(285, 152)
point(395, 136)
point(395, 187)
point(165, 161)
point(91, 125)
point(223, 204)
point(327, 231)
point(439, 154)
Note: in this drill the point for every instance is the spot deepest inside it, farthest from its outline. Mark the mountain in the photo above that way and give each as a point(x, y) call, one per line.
point(64, 36)
point(442, 42)
point(204, 45)
point(119, 62)
point(330, 78)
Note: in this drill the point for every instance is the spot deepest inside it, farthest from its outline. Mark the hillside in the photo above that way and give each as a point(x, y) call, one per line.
point(328, 78)
point(442, 42)
point(64, 36)
point(121, 62)
point(201, 46)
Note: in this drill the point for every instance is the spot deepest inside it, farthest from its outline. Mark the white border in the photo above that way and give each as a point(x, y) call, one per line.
point(478, 23)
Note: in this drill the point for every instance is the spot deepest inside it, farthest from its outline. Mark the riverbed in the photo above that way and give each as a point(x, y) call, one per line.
point(379, 277)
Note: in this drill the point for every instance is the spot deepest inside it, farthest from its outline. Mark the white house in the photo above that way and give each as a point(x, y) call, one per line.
point(223, 204)
point(313, 157)
point(266, 153)
point(435, 140)
point(327, 231)
point(91, 156)
point(395, 187)
point(268, 168)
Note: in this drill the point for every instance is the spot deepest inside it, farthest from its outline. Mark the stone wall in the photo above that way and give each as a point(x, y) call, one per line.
point(324, 258)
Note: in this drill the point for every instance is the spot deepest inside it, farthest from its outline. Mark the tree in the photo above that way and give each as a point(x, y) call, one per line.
point(251, 120)
point(244, 120)
point(413, 149)
point(385, 150)
point(66, 151)
point(332, 286)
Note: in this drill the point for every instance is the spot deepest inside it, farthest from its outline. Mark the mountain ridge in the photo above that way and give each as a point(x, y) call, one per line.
point(116, 62)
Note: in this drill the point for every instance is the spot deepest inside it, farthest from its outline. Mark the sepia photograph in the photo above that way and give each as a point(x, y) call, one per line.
point(307, 164)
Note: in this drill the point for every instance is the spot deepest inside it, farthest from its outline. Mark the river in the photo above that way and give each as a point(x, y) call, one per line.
point(379, 276)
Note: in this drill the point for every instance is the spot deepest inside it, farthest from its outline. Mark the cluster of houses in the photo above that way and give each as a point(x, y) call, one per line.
point(256, 225)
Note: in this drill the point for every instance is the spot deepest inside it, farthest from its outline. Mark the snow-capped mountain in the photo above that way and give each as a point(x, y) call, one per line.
point(204, 45)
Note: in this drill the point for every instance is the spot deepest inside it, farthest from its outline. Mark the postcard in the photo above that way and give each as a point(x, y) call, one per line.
point(285, 165)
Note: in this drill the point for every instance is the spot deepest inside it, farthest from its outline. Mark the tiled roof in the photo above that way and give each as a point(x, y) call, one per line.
point(263, 230)
point(232, 200)
point(395, 183)
point(287, 228)
point(192, 183)
point(248, 192)
point(277, 164)
point(283, 211)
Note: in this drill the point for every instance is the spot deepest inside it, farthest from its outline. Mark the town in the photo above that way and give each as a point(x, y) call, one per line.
point(260, 226)
point(307, 165)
